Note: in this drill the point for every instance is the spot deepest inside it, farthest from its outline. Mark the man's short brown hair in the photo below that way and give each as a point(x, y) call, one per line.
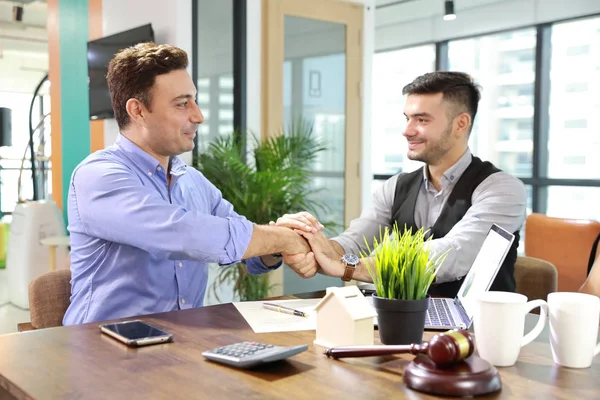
point(132, 72)
point(456, 87)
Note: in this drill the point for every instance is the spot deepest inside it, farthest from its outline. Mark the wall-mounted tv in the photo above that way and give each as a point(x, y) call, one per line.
point(99, 53)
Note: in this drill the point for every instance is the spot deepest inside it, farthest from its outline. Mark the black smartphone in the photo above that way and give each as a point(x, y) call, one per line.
point(136, 333)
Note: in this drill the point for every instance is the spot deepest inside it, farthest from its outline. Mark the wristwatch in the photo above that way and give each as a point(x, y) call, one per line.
point(350, 261)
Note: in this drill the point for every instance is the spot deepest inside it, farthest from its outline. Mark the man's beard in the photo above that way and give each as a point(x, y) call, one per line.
point(436, 150)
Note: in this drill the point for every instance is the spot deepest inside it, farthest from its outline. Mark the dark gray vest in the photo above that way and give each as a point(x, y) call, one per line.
point(459, 201)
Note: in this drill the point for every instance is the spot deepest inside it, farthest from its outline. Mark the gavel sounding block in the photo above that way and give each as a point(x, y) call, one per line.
point(471, 377)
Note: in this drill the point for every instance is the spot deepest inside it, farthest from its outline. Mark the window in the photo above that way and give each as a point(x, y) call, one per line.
point(576, 124)
point(528, 210)
point(529, 206)
point(574, 51)
point(519, 164)
point(214, 70)
point(394, 158)
point(574, 118)
point(576, 87)
point(504, 66)
point(574, 160)
point(392, 70)
point(566, 180)
point(574, 202)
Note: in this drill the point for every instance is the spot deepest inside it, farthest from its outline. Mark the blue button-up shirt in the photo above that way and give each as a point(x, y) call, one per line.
point(139, 246)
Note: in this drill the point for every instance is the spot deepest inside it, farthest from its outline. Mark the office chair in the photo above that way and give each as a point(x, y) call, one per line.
point(49, 298)
point(535, 278)
point(564, 242)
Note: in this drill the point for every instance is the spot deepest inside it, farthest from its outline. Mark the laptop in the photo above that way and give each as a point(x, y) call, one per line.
point(446, 313)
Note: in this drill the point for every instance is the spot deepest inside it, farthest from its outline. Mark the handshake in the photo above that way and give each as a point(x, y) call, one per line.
point(312, 251)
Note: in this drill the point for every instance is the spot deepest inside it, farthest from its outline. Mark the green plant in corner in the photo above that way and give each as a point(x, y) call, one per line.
point(404, 268)
point(274, 179)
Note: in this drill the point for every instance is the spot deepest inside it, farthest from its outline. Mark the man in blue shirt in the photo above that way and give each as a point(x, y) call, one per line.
point(143, 225)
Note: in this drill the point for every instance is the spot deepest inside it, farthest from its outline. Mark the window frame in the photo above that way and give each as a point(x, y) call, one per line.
point(539, 180)
point(239, 45)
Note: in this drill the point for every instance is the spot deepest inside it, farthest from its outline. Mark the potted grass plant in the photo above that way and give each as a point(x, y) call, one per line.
point(263, 184)
point(402, 269)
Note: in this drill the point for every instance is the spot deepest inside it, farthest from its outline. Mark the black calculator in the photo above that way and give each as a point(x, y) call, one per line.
point(251, 354)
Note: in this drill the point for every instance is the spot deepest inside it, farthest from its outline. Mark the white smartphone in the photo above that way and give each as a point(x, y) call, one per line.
point(136, 333)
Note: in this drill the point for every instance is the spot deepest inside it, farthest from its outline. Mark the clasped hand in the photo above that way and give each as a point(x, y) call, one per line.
point(322, 257)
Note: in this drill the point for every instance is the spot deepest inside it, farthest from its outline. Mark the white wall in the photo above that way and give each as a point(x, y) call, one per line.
point(404, 25)
point(172, 24)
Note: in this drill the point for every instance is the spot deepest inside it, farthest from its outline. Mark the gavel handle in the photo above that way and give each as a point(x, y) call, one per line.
point(369, 351)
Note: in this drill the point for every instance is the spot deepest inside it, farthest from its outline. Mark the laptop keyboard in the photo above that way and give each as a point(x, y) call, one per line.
point(438, 313)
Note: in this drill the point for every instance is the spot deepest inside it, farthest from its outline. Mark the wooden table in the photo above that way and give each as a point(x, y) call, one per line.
point(79, 362)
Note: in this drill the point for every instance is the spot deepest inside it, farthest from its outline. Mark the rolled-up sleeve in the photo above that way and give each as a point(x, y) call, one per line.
point(256, 266)
point(111, 203)
point(223, 208)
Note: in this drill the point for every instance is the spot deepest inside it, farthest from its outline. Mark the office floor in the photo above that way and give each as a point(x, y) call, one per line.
point(10, 315)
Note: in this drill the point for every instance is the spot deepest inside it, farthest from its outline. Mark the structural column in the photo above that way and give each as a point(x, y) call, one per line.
point(71, 23)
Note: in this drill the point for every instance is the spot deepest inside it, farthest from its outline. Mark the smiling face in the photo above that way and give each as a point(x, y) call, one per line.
point(168, 126)
point(434, 132)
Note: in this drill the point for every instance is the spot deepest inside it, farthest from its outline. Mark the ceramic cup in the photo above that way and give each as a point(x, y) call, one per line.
point(500, 324)
point(574, 319)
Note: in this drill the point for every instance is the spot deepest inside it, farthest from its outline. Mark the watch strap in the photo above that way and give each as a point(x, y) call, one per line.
point(348, 272)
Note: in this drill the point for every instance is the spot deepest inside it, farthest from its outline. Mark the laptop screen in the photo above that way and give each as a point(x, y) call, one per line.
point(485, 267)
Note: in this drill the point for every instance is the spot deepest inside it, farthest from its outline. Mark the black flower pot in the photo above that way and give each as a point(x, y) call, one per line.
point(400, 321)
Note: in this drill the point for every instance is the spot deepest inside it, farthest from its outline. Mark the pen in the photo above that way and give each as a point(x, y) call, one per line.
point(285, 310)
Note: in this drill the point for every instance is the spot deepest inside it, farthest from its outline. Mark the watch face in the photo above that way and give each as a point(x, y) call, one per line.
point(350, 259)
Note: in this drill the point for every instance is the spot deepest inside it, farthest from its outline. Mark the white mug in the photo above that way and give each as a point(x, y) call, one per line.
point(574, 319)
point(500, 324)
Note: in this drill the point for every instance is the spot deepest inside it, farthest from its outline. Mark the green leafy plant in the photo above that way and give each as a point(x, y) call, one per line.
point(272, 180)
point(404, 267)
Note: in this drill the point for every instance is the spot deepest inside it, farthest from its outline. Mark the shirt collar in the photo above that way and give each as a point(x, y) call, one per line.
point(145, 160)
point(452, 174)
point(177, 166)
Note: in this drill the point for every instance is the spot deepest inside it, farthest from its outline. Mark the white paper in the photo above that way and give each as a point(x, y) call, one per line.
point(262, 320)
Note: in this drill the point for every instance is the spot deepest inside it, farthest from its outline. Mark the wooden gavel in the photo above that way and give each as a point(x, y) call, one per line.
point(443, 349)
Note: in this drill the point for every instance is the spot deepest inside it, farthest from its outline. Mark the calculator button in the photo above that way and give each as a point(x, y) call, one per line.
point(250, 354)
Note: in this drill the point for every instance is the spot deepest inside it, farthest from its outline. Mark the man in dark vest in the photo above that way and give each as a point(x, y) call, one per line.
point(456, 196)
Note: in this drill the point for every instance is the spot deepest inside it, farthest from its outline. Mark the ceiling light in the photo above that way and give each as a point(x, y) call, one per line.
point(449, 10)
point(17, 13)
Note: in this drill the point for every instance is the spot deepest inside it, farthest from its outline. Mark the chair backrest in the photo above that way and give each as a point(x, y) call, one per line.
point(49, 298)
point(564, 242)
point(593, 254)
point(535, 278)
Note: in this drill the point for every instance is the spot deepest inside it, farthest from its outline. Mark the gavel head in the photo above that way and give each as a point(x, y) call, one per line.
point(451, 347)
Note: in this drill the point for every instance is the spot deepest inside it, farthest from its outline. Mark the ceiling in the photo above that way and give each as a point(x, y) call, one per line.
point(23, 46)
point(379, 3)
point(393, 11)
point(28, 35)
